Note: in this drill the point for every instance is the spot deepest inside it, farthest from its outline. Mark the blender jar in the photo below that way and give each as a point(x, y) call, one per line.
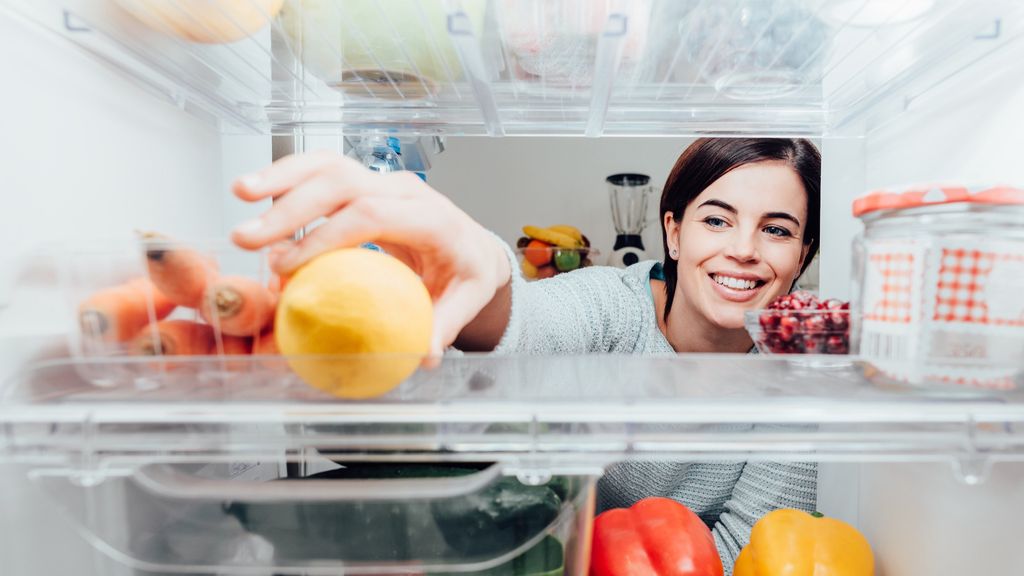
point(629, 195)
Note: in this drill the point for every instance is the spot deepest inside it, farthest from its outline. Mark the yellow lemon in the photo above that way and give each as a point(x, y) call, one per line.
point(367, 310)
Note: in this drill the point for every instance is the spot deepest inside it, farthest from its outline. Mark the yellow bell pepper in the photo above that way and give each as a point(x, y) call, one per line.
point(795, 543)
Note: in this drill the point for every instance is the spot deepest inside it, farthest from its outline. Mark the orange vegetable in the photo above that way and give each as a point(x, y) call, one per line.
point(236, 345)
point(238, 306)
point(264, 344)
point(795, 543)
point(276, 285)
point(117, 314)
point(180, 273)
point(234, 350)
point(175, 338)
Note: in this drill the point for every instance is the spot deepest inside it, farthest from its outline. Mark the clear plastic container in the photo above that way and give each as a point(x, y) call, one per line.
point(538, 67)
point(554, 45)
point(799, 331)
point(356, 517)
point(749, 50)
point(939, 274)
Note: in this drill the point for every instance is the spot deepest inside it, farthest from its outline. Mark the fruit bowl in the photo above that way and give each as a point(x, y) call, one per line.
point(540, 262)
point(546, 252)
point(799, 323)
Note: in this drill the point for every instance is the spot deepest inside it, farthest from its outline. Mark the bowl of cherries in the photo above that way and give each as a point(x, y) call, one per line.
point(800, 323)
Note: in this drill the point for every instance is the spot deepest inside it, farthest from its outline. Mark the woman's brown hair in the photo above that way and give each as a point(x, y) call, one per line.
point(708, 159)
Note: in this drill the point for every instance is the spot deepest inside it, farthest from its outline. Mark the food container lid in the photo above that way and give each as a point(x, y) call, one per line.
point(935, 194)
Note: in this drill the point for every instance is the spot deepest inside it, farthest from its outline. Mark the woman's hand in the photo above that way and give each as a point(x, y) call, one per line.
point(461, 264)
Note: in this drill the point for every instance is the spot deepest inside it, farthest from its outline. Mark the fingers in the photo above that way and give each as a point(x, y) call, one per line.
point(353, 225)
point(286, 174)
point(319, 196)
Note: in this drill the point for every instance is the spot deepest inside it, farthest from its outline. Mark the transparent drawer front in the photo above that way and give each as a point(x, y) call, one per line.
point(360, 518)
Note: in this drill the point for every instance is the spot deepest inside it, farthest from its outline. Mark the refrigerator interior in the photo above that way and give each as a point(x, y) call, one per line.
point(140, 130)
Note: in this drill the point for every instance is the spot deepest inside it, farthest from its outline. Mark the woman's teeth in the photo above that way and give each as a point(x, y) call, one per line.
point(734, 283)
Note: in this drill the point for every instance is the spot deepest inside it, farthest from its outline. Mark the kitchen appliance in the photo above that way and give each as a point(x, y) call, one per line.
point(119, 126)
point(629, 194)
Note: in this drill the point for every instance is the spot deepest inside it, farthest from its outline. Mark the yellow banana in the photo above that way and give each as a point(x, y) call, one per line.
point(551, 237)
point(568, 230)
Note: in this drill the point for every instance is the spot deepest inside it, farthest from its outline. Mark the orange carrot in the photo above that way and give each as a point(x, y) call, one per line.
point(236, 345)
point(175, 338)
point(180, 273)
point(117, 314)
point(237, 306)
point(235, 351)
point(264, 344)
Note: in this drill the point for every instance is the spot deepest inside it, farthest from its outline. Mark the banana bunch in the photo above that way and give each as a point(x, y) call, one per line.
point(552, 250)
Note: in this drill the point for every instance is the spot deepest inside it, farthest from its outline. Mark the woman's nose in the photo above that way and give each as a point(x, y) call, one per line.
point(743, 248)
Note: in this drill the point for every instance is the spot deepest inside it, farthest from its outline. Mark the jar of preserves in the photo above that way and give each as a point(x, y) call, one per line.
point(939, 284)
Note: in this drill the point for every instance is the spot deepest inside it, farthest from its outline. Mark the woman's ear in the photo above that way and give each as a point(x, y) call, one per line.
point(671, 235)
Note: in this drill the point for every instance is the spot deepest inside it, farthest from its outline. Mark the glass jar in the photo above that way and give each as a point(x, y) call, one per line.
point(939, 285)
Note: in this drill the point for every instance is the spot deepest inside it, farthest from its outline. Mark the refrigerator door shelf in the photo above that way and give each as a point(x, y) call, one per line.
point(571, 67)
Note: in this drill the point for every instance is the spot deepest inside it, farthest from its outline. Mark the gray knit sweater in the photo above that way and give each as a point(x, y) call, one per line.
point(604, 309)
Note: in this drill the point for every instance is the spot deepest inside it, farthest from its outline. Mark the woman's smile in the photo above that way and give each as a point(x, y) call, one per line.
point(736, 287)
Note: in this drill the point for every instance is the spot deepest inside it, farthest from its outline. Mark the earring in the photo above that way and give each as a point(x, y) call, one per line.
point(674, 253)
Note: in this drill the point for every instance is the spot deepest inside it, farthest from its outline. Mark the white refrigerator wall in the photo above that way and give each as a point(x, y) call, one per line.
point(83, 153)
point(921, 518)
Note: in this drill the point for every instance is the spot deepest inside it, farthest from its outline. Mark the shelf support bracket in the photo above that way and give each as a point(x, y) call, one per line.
point(460, 29)
point(72, 23)
point(606, 68)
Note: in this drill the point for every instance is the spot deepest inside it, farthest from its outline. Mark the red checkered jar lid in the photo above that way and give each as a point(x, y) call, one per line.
point(885, 201)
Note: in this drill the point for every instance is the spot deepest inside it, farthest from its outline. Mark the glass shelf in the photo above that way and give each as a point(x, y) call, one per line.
point(569, 415)
point(571, 67)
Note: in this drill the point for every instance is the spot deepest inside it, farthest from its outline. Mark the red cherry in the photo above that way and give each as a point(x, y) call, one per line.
point(788, 326)
point(836, 345)
point(814, 323)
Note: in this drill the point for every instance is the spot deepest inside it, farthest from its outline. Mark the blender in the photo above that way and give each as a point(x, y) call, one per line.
point(629, 195)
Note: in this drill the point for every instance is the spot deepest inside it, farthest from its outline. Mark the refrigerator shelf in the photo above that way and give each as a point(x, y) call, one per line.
point(537, 415)
point(515, 67)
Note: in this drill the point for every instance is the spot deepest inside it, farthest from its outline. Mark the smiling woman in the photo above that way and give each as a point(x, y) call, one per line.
point(740, 223)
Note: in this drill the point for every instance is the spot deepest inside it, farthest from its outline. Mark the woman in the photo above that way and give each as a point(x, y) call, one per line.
point(739, 225)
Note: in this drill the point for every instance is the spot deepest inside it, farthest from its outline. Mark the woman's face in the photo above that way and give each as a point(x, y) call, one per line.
point(740, 243)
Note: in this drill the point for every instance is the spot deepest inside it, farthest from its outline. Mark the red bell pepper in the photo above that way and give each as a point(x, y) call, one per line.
point(655, 537)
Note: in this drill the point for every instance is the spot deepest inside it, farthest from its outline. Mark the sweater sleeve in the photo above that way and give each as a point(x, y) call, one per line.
point(587, 310)
point(761, 488)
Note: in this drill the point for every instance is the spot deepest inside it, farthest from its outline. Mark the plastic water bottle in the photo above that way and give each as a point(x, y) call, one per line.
point(382, 154)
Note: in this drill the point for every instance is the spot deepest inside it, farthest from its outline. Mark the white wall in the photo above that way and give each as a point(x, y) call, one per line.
point(511, 182)
point(82, 154)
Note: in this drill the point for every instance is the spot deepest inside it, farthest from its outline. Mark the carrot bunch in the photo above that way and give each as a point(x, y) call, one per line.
point(237, 312)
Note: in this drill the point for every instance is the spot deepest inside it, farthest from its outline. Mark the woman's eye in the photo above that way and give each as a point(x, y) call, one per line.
point(715, 222)
point(777, 231)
